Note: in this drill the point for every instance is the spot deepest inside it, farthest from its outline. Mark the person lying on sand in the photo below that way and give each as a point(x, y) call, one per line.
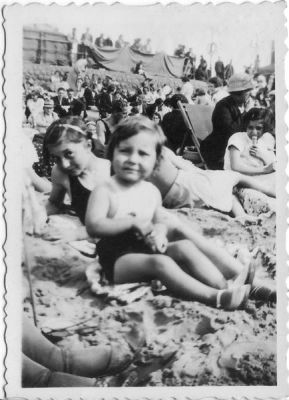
point(77, 170)
point(184, 185)
point(134, 247)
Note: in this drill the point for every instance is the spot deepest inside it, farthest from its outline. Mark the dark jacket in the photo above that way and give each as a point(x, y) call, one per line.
point(226, 120)
point(75, 107)
point(89, 99)
point(105, 102)
point(60, 111)
point(175, 129)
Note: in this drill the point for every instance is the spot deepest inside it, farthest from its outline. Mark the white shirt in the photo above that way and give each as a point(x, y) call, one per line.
point(242, 142)
point(188, 91)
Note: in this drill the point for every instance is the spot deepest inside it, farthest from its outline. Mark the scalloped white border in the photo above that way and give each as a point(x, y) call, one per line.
point(148, 393)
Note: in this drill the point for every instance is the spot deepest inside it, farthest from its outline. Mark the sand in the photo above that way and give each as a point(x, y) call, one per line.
point(186, 343)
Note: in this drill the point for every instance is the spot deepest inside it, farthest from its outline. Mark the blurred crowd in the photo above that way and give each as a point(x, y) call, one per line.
point(103, 102)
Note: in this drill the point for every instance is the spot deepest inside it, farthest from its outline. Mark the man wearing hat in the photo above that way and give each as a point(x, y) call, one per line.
point(226, 119)
point(45, 117)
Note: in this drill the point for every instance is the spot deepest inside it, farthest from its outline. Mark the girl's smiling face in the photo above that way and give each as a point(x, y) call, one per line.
point(134, 159)
point(71, 157)
point(255, 128)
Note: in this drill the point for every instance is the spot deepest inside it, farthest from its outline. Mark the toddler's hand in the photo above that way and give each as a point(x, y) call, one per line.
point(142, 227)
point(157, 241)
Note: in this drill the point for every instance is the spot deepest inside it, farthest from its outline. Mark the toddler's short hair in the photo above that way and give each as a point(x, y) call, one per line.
point(131, 127)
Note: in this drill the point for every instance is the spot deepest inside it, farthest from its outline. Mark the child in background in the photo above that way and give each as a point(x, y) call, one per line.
point(126, 213)
point(77, 170)
point(253, 153)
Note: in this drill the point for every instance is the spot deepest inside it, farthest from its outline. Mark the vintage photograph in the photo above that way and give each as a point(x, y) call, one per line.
point(146, 163)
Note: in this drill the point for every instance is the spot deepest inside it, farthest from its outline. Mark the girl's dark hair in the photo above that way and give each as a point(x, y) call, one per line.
point(258, 113)
point(71, 128)
point(131, 127)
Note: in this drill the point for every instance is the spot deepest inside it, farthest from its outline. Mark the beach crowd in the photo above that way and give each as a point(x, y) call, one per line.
point(118, 157)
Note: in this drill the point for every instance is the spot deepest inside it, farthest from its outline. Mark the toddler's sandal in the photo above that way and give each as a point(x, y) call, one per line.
point(233, 299)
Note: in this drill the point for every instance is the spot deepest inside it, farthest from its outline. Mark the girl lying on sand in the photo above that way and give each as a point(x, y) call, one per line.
point(125, 212)
point(77, 170)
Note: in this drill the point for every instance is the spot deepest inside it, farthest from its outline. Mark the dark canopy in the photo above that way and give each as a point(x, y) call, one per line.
point(125, 59)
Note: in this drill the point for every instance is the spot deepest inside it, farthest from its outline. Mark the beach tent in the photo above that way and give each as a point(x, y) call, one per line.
point(125, 60)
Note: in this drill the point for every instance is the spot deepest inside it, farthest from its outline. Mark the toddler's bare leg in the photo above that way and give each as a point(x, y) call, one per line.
point(228, 265)
point(143, 267)
point(196, 263)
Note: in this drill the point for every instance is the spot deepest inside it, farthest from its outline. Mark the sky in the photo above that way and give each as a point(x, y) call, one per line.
point(238, 32)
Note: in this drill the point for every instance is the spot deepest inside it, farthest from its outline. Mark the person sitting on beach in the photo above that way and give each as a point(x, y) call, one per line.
point(34, 104)
point(106, 126)
point(77, 170)
point(44, 118)
point(41, 122)
point(216, 89)
point(124, 213)
point(174, 126)
point(227, 120)
point(253, 153)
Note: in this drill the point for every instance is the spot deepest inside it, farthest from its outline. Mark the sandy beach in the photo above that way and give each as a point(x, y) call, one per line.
point(186, 343)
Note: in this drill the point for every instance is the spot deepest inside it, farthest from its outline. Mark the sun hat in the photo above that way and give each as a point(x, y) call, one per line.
point(239, 83)
point(48, 103)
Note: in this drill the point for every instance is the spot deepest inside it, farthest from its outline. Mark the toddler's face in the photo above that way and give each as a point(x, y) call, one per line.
point(134, 159)
point(255, 128)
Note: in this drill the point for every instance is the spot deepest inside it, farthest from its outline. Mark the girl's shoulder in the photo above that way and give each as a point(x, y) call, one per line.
point(102, 165)
point(238, 139)
point(268, 138)
point(102, 161)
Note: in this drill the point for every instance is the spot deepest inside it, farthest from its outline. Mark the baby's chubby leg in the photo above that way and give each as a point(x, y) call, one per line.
point(144, 267)
point(196, 263)
point(229, 266)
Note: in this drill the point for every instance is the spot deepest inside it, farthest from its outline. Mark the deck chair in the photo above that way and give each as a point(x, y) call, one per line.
point(198, 119)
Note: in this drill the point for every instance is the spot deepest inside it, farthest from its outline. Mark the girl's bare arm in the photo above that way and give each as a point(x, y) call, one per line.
point(100, 131)
point(59, 189)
